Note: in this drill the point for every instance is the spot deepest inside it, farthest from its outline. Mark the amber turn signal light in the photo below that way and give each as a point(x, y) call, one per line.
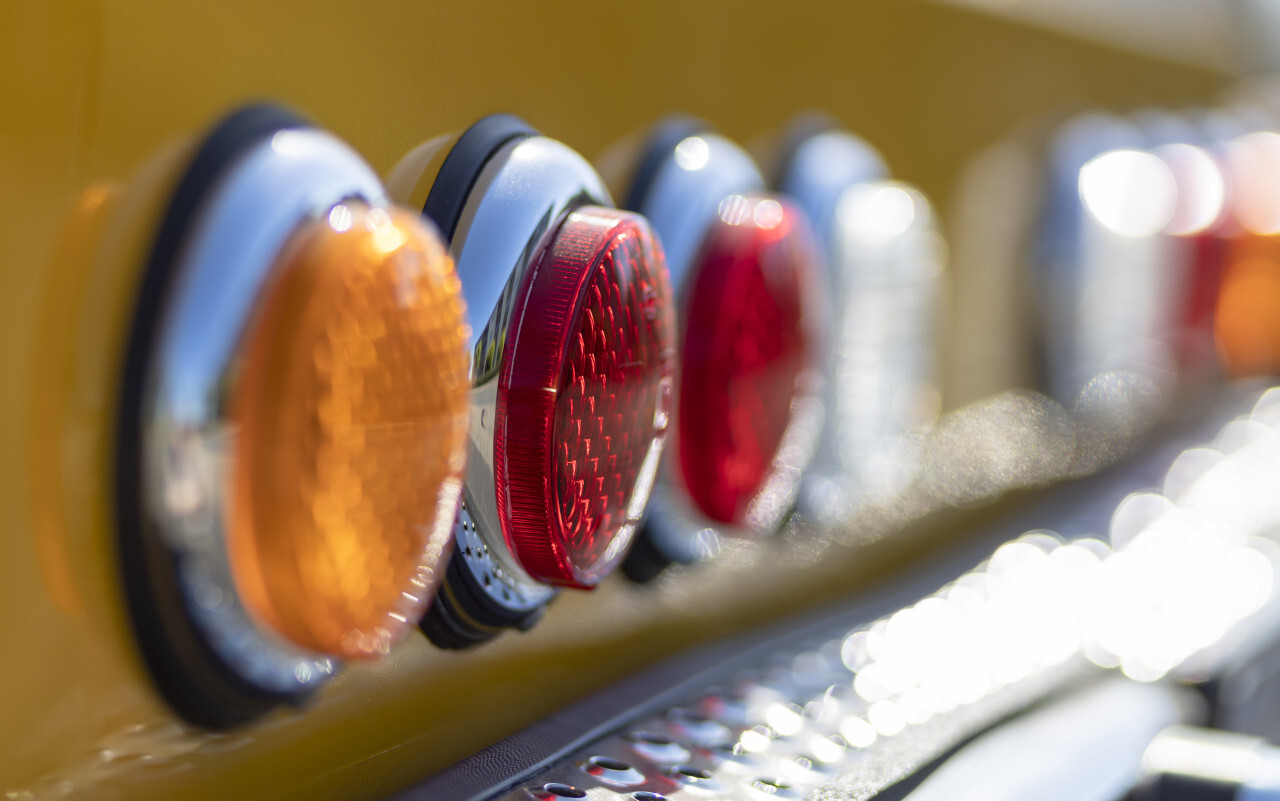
point(351, 412)
point(293, 413)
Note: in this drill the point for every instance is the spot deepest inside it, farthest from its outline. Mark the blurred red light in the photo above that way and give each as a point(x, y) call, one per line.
point(584, 397)
point(747, 347)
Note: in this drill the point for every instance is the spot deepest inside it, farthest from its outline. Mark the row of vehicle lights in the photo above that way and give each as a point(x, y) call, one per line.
point(316, 452)
point(1143, 247)
point(305, 408)
point(1172, 219)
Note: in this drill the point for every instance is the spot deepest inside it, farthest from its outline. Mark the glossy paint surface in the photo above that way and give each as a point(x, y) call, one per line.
point(100, 99)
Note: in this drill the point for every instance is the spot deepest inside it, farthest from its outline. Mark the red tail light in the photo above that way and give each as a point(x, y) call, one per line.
point(1200, 223)
point(584, 397)
point(748, 353)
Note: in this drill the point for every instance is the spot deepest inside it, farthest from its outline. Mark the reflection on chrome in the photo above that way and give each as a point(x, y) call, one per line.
point(1179, 570)
point(692, 154)
point(989, 629)
point(1130, 192)
point(876, 212)
point(1122, 309)
point(1161, 590)
point(889, 260)
point(1114, 266)
point(777, 492)
point(1254, 164)
point(1201, 189)
point(1176, 573)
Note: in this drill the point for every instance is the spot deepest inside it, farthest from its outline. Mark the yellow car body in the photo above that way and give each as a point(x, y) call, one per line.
point(100, 101)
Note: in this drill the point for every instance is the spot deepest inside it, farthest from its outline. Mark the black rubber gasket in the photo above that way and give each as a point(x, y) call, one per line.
point(195, 681)
point(661, 141)
point(645, 561)
point(463, 614)
point(462, 166)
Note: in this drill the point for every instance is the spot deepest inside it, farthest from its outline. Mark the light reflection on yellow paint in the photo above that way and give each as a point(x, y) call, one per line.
point(77, 241)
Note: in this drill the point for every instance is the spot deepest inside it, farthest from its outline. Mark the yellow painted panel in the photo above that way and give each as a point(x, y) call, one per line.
point(94, 91)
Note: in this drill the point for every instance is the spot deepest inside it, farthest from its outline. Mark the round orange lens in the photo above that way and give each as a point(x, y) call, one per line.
point(350, 406)
point(1247, 322)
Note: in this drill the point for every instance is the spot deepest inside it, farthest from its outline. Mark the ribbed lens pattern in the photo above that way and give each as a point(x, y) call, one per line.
point(576, 465)
point(610, 394)
point(746, 347)
point(351, 412)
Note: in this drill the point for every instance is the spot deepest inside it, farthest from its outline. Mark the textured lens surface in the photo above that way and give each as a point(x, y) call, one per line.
point(747, 353)
point(351, 412)
point(584, 397)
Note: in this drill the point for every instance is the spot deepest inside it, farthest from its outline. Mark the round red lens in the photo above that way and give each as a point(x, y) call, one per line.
point(584, 397)
point(747, 354)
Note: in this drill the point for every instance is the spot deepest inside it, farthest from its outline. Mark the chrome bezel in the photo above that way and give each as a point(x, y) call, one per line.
point(518, 199)
point(685, 192)
point(288, 178)
point(818, 172)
